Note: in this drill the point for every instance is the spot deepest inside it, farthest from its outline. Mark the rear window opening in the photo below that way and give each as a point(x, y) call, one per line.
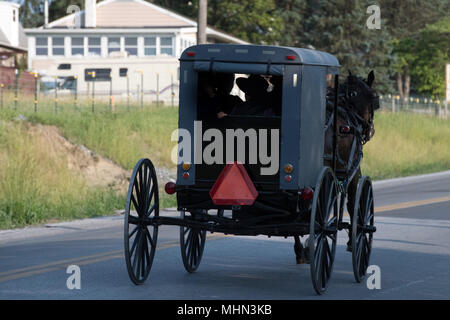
point(248, 106)
point(228, 94)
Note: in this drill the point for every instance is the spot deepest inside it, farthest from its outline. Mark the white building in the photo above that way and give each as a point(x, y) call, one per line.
point(129, 41)
point(12, 38)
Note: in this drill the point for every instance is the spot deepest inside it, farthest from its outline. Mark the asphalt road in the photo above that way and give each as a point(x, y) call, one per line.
point(411, 248)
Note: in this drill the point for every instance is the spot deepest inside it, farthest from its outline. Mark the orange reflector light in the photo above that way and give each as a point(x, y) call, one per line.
point(307, 194)
point(288, 168)
point(233, 187)
point(186, 166)
point(170, 188)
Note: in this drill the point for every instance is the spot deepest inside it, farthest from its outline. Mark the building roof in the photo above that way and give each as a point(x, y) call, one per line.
point(133, 14)
point(23, 43)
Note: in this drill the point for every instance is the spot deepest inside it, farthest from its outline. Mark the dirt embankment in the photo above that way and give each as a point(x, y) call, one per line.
point(95, 169)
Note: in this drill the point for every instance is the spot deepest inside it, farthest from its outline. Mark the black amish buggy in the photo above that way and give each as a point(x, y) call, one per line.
point(255, 174)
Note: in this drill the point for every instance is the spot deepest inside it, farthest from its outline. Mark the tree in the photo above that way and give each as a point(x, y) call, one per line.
point(254, 21)
point(404, 20)
point(31, 13)
point(432, 52)
point(339, 27)
point(292, 13)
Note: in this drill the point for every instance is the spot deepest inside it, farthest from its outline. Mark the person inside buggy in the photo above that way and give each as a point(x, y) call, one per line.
point(215, 101)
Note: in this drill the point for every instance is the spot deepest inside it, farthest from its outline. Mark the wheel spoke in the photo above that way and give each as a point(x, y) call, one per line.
point(133, 232)
point(135, 242)
point(144, 186)
point(139, 256)
point(327, 259)
point(330, 203)
point(137, 190)
point(136, 255)
point(150, 239)
point(143, 251)
point(331, 222)
point(149, 212)
point(136, 205)
point(319, 215)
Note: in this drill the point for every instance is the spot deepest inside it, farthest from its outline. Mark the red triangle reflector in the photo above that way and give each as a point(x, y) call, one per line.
point(233, 187)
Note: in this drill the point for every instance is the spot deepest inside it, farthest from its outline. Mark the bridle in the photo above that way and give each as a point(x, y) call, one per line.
point(349, 91)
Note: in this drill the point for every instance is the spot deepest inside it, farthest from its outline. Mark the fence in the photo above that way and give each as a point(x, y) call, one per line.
point(29, 91)
point(421, 105)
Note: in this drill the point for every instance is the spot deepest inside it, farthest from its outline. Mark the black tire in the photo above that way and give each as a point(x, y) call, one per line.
point(323, 230)
point(362, 228)
point(192, 244)
point(142, 205)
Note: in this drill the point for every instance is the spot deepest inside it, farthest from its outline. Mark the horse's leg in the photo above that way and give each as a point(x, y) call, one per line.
point(300, 252)
point(351, 195)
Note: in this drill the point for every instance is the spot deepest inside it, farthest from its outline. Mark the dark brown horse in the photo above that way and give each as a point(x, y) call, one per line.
point(357, 102)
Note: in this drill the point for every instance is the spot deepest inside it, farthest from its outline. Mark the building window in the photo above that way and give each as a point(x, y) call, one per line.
point(58, 46)
point(150, 46)
point(14, 15)
point(113, 44)
point(131, 46)
point(123, 72)
point(166, 45)
point(77, 46)
point(41, 46)
point(65, 66)
point(94, 46)
point(100, 75)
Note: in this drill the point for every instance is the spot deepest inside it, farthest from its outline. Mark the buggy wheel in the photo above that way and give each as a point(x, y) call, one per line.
point(139, 235)
point(323, 230)
point(192, 243)
point(362, 228)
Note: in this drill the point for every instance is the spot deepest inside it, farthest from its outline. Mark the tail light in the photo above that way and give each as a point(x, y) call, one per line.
point(186, 166)
point(170, 188)
point(307, 193)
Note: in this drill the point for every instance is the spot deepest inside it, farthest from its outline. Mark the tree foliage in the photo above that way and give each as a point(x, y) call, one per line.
point(31, 13)
point(431, 53)
point(254, 21)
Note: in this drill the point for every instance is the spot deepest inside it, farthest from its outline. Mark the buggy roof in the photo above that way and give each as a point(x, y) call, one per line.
point(258, 54)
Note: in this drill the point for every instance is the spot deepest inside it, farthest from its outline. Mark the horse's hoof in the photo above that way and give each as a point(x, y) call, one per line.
point(302, 261)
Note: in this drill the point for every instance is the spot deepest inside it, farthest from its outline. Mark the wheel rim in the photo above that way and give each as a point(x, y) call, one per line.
point(139, 237)
point(192, 244)
point(323, 231)
point(362, 224)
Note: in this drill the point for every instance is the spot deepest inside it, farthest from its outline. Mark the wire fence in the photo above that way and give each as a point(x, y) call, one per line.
point(30, 92)
point(421, 105)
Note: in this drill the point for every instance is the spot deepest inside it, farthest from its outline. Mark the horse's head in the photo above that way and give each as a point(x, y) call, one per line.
point(362, 99)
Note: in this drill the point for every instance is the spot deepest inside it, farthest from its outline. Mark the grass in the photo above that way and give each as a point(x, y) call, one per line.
point(35, 187)
point(407, 144)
